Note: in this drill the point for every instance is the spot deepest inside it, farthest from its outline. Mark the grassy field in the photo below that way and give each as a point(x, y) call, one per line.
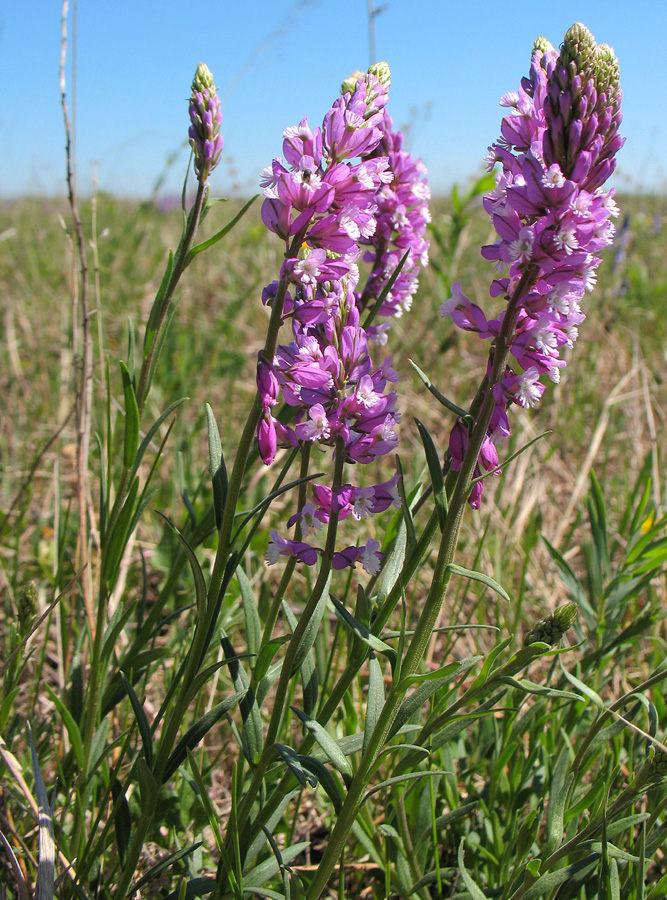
point(571, 518)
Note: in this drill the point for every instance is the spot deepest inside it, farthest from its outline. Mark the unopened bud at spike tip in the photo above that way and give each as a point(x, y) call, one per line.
point(351, 82)
point(203, 80)
point(543, 45)
point(552, 629)
point(382, 72)
point(206, 118)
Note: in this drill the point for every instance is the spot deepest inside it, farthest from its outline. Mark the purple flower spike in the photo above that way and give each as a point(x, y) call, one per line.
point(206, 118)
point(343, 189)
point(552, 218)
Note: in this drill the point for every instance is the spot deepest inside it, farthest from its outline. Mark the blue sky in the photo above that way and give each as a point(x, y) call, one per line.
point(275, 61)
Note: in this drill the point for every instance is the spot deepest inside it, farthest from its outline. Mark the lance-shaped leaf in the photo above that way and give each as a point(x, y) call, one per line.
point(253, 626)
point(481, 577)
point(46, 853)
point(250, 714)
point(435, 471)
point(361, 631)
point(142, 721)
point(131, 440)
point(194, 735)
point(330, 747)
point(291, 758)
point(217, 468)
point(122, 820)
point(375, 701)
point(198, 575)
point(473, 889)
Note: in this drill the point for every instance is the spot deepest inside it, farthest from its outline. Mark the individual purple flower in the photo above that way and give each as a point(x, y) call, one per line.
point(369, 556)
point(206, 118)
point(551, 216)
point(280, 547)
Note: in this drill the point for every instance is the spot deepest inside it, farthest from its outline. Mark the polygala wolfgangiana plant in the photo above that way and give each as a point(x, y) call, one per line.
point(350, 205)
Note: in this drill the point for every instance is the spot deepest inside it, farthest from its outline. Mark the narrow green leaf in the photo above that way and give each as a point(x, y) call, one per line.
point(393, 566)
point(198, 575)
point(375, 701)
point(131, 441)
point(217, 468)
point(361, 631)
point(307, 670)
point(489, 661)
point(385, 291)
point(551, 880)
point(150, 434)
point(327, 781)
point(122, 820)
point(70, 724)
point(196, 733)
point(309, 635)
point(542, 690)
point(400, 779)
point(219, 235)
point(558, 791)
point(584, 688)
point(640, 870)
point(424, 692)
point(452, 407)
point(164, 863)
point(333, 752)
point(253, 626)
point(211, 813)
point(204, 676)
point(293, 763)
point(266, 870)
point(142, 721)
point(46, 848)
point(131, 345)
point(481, 577)
point(435, 470)
point(248, 707)
point(119, 535)
point(473, 889)
point(156, 309)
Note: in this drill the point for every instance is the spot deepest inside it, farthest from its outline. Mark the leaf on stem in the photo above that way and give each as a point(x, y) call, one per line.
point(131, 441)
point(217, 468)
point(198, 575)
point(452, 407)
point(219, 235)
point(250, 714)
point(330, 747)
point(375, 701)
point(362, 632)
point(253, 626)
point(197, 732)
point(473, 889)
point(142, 721)
point(435, 470)
point(46, 845)
point(481, 577)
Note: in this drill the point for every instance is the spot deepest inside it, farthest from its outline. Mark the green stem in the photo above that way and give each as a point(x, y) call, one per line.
point(434, 600)
point(206, 622)
point(293, 646)
point(291, 563)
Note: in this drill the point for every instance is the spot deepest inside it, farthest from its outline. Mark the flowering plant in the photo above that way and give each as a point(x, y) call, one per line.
point(322, 674)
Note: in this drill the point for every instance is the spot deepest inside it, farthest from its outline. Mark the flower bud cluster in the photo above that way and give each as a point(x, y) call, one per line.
point(551, 216)
point(551, 630)
point(336, 192)
point(206, 117)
